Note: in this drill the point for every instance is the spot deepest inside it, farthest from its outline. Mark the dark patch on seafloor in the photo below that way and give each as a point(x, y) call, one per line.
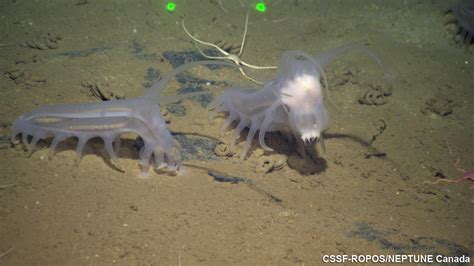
point(192, 147)
point(139, 52)
point(196, 148)
point(425, 245)
point(84, 52)
point(177, 59)
point(188, 82)
point(225, 178)
point(179, 109)
point(151, 76)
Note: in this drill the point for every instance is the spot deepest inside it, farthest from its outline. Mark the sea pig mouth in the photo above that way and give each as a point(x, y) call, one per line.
point(306, 126)
point(310, 136)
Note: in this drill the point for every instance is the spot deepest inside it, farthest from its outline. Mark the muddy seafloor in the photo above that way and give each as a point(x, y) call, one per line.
point(364, 195)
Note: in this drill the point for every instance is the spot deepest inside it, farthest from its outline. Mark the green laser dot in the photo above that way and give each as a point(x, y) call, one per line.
point(261, 7)
point(171, 6)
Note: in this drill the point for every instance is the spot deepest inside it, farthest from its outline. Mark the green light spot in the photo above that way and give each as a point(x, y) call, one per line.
point(261, 7)
point(171, 6)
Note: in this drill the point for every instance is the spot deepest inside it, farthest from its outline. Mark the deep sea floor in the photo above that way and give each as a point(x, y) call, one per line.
point(366, 194)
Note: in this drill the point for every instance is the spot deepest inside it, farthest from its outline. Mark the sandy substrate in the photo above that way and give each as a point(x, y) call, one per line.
point(365, 195)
